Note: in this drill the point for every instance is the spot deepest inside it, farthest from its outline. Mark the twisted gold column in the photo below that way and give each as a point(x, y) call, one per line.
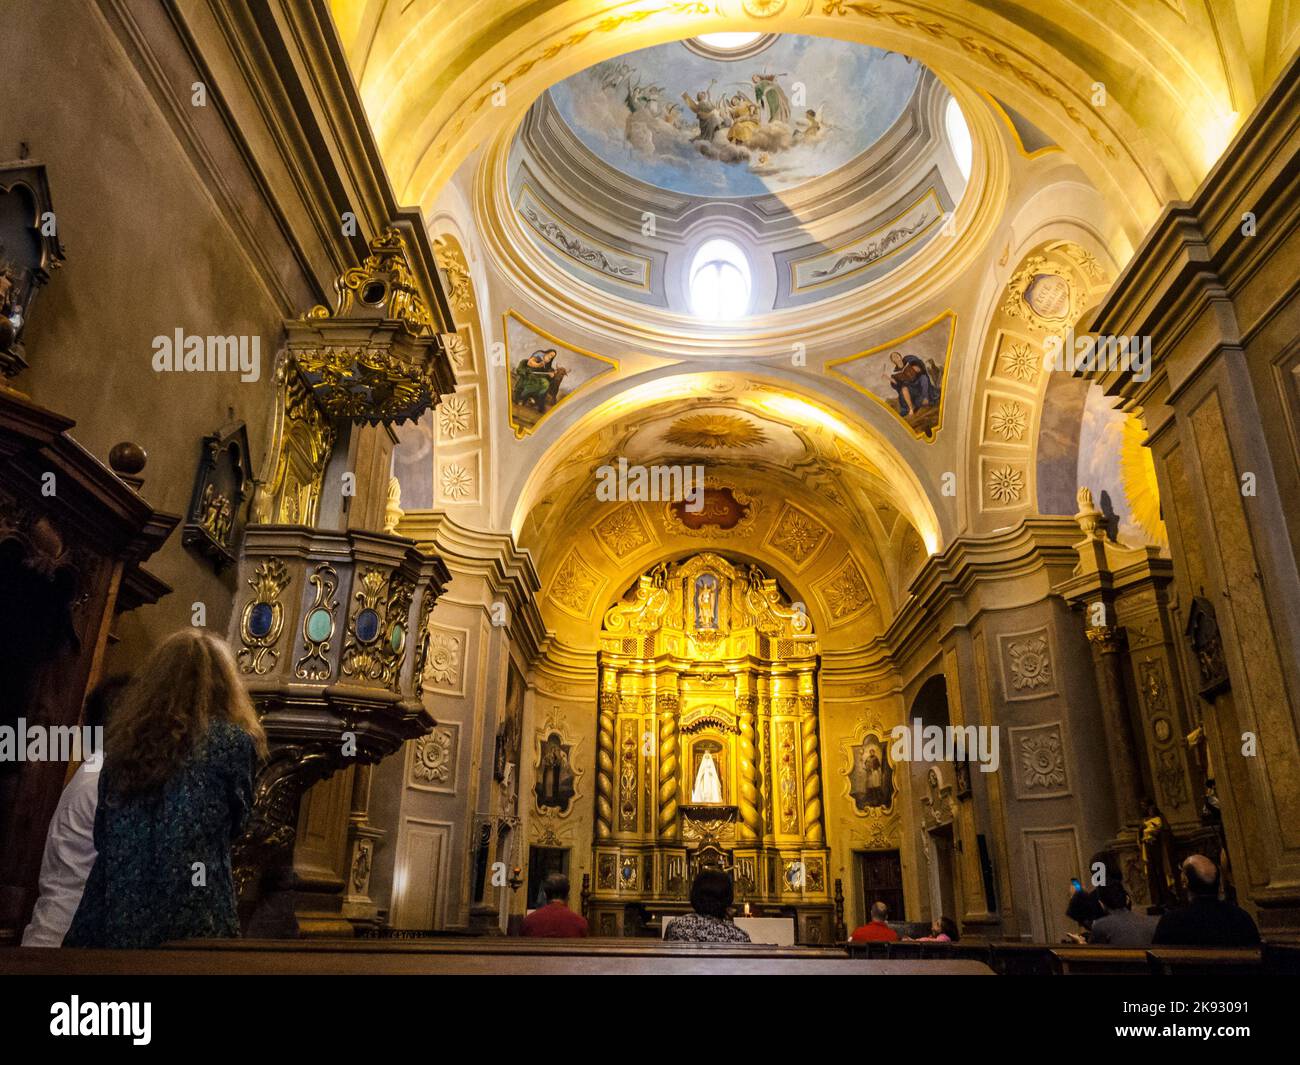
point(669, 824)
point(750, 824)
point(812, 783)
point(605, 768)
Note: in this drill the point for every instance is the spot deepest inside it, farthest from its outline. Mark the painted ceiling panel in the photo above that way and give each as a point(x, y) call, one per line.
point(709, 126)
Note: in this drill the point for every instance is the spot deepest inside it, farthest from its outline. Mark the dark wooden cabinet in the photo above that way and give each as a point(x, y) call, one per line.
point(73, 535)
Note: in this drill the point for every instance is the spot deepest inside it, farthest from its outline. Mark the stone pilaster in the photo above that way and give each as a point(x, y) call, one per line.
point(1218, 298)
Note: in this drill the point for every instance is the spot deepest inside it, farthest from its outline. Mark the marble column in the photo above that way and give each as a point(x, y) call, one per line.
point(1107, 642)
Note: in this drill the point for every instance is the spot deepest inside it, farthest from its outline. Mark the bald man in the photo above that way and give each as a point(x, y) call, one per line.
point(1207, 921)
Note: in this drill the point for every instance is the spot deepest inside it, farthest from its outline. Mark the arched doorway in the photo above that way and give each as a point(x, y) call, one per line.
point(930, 707)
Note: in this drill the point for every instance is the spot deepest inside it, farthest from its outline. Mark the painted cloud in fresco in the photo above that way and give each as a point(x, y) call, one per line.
point(711, 127)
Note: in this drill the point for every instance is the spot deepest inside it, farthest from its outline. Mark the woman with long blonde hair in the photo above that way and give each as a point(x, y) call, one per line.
point(175, 792)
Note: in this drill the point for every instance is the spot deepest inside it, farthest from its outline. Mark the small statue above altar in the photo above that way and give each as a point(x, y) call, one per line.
point(708, 786)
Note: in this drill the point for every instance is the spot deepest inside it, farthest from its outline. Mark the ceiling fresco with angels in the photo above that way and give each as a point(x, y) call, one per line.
point(729, 126)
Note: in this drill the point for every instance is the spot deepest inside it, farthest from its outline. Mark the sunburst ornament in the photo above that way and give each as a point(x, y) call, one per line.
point(1138, 471)
point(713, 431)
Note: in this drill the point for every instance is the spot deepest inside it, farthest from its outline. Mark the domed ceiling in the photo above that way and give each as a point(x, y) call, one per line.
point(827, 163)
point(712, 124)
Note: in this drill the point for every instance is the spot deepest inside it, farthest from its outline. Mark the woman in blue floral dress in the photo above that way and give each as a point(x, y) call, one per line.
point(174, 793)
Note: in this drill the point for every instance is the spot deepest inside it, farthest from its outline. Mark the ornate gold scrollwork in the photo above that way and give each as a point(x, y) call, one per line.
point(318, 625)
point(262, 618)
point(383, 281)
point(629, 745)
point(451, 260)
point(787, 771)
point(302, 441)
point(422, 652)
point(376, 640)
point(361, 383)
point(401, 590)
point(378, 356)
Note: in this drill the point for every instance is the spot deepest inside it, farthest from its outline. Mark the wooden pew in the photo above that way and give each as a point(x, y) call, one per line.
point(965, 949)
point(868, 950)
point(1282, 959)
point(1021, 959)
point(493, 956)
point(1099, 960)
point(1205, 961)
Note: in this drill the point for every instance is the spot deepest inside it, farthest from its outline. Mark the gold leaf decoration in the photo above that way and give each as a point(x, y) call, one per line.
point(715, 431)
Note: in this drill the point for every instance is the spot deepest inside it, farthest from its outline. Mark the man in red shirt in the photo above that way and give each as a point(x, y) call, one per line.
point(555, 920)
point(876, 931)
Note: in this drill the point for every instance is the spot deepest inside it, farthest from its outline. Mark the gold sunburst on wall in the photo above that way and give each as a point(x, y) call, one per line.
point(714, 431)
point(1139, 473)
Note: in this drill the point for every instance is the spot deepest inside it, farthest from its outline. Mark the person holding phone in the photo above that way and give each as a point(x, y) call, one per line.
point(1083, 909)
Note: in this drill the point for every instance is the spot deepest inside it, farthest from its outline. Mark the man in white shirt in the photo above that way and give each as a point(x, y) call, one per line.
point(70, 842)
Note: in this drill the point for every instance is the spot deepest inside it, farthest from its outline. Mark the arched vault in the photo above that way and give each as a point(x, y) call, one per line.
point(790, 483)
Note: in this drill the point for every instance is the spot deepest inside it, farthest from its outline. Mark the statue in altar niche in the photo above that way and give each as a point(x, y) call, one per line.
point(708, 782)
point(706, 602)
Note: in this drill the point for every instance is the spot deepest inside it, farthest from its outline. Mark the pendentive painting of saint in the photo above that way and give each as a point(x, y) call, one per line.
point(906, 375)
point(543, 372)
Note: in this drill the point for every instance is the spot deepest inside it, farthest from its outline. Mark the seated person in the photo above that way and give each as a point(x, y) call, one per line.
point(555, 920)
point(1121, 927)
point(711, 896)
point(1083, 908)
point(1207, 920)
point(876, 930)
point(944, 930)
point(70, 842)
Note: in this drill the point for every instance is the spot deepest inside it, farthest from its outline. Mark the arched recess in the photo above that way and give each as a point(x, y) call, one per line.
point(930, 703)
point(855, 443)
point(1020, 451)
point(841, 589)
point(1174, 80)
point(1037, 434)
point(787, 484)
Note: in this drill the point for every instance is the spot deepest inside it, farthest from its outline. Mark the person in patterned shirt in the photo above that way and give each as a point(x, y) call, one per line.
point(711, 896)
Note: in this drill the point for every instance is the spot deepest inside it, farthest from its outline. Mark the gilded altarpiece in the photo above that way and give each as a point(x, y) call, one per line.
point(708, 747)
